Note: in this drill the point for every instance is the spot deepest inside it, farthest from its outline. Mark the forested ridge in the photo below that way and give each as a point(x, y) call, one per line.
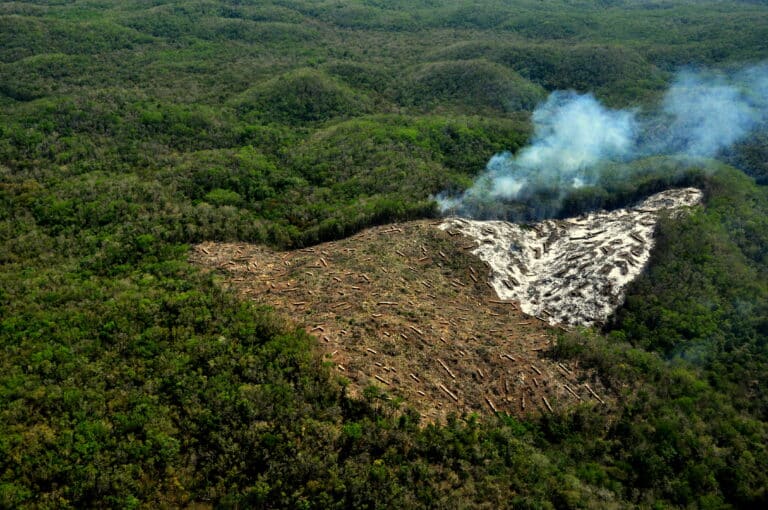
point(130, 130)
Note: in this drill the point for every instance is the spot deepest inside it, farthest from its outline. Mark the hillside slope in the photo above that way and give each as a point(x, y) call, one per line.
point(406, 308)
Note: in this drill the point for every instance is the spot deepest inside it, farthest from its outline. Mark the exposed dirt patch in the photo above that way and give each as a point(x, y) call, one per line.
point(407, 308)
point(572, 271)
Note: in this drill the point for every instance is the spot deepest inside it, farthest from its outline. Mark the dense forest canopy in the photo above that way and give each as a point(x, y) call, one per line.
point(131, 129)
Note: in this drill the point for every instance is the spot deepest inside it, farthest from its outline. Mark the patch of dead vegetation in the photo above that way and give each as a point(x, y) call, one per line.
point(407, 308)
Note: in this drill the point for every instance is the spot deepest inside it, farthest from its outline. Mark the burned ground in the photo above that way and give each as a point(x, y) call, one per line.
point(407, 308)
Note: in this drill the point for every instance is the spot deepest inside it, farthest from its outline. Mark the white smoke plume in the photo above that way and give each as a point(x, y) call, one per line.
point(702, 113)
point(707, 114)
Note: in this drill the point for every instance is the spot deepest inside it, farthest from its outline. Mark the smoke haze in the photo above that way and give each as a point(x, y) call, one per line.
point(702, 113)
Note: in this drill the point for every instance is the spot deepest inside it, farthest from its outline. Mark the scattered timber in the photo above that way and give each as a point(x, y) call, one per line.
point(593, 393)
point(570, 390)
point(446, 368)
point(416, 330)
point(450, 394)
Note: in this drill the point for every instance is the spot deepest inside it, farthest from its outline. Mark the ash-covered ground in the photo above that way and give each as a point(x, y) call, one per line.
point(573, 271)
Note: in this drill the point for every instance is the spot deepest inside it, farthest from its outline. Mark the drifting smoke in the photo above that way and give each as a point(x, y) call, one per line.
point(574, 135)
point(707, 114)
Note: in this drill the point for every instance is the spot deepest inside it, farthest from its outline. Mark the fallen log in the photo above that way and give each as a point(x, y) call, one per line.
point(490, 403)
point(371, 350)
point(547, 404)
point(450, 394)
point(570, 390)
point(536, 370)
point(414, 377)
point(417, 330)
point(446, 368)
point(593, 393)
point(382, 380)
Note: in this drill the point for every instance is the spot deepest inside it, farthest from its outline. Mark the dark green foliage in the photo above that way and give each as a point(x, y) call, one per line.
point(751, 156)
point(705, 298)
point(130, 129)
point(477, 84)
point(615, 73)
point(299, 97)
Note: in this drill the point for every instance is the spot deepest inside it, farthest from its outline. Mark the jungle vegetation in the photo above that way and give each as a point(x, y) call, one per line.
point(131, 129)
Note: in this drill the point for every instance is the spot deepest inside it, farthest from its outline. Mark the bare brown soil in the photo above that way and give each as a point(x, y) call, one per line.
point(407, 308)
